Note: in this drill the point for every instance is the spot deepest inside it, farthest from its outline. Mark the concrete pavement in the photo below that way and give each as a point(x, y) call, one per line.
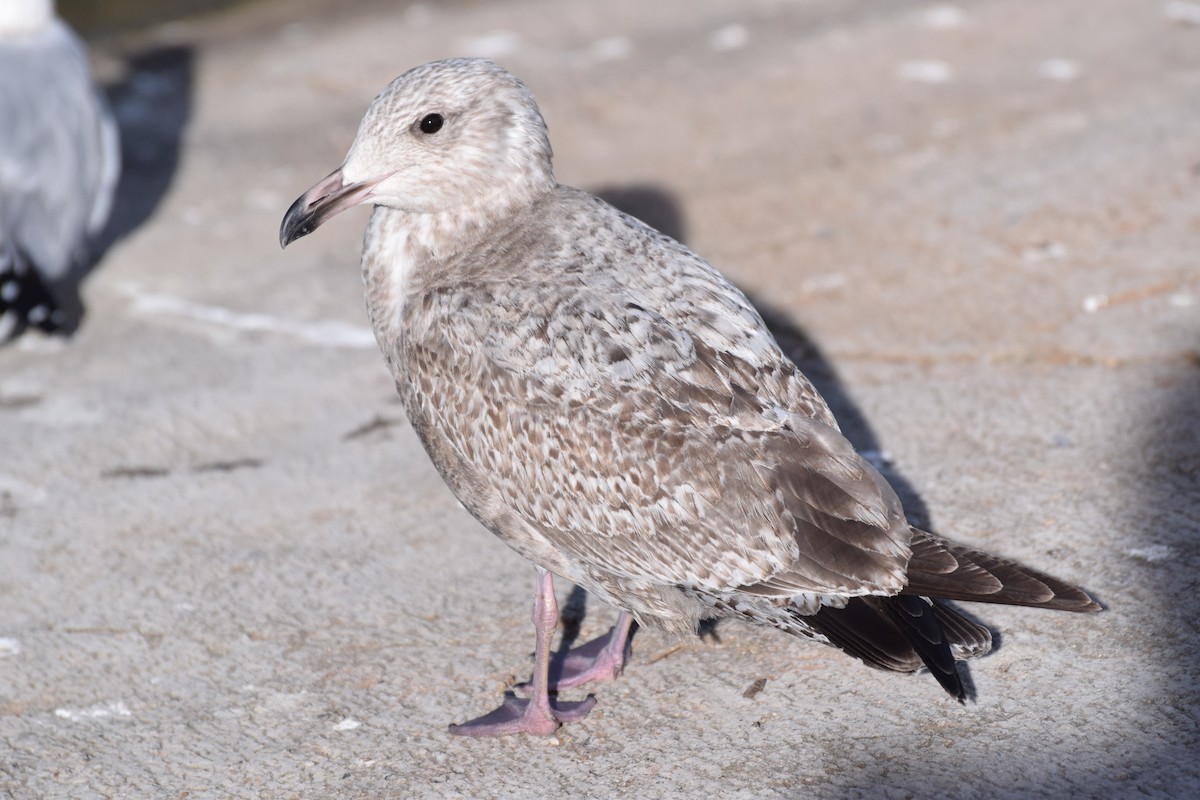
point(227, 569)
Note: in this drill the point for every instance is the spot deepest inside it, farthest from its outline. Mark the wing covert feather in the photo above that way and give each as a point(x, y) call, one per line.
point(645, 452)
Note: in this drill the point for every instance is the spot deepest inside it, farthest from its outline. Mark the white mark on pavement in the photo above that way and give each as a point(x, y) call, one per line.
point(944, 18)
point(117, 709)
point(348, 724)
point(21, 490)
point(731, 37)
point(612, 48)
point(63, 411)
point(925, 72)
point(1153, 553)
point(1044, 251)
point(1183, 13)
point(824, 284)
point(1182, 300)
point(1058, 69)
point(9, 647)
point(327, 333)
point(46, 345)
point(493, 44)
point(945, 128)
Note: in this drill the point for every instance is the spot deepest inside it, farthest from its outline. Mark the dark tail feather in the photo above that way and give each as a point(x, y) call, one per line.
point(23, 296)
point(968, 639)
point(916, 619)
point(860, 630)
point(941, 568)
point(903, 633)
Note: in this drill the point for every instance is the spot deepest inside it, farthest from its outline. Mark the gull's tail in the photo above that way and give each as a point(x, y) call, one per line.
point(916, 628)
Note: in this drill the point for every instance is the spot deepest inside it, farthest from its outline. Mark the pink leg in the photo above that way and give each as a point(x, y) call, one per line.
point(599, 660)
point(537, 715)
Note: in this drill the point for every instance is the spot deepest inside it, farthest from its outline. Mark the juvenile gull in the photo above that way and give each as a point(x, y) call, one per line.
point(616, 411)
point(59, 162)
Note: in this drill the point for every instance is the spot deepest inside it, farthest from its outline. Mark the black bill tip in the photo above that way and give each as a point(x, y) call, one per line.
point(300, 220)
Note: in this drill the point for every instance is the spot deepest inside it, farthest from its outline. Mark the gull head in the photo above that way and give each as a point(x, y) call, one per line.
point(461, 135)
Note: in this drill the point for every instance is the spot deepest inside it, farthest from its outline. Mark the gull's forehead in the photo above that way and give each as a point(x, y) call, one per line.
point(451, 83)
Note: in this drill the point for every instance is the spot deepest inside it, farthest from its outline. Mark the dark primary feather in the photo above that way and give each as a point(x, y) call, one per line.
point(942, 568)
point(902, 633)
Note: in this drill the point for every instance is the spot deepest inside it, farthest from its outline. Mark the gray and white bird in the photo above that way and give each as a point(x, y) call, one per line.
point(59, 163)
point(616, 411)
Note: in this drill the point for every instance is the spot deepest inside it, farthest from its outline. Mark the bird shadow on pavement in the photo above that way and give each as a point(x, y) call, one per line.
point(152, 104)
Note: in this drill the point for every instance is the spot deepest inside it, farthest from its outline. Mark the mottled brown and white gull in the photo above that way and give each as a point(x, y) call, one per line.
point(59, 163)
point(616, 411)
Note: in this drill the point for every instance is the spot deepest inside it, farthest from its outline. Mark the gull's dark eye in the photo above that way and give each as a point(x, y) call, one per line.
point(432, 123)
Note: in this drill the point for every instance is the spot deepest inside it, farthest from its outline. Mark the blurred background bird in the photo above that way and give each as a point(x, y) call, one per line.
point(59, 163)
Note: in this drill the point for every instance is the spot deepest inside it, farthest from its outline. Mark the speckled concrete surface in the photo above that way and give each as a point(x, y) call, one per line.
point(227, 570)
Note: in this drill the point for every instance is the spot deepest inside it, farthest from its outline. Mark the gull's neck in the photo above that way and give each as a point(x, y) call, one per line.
point(405, 252)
